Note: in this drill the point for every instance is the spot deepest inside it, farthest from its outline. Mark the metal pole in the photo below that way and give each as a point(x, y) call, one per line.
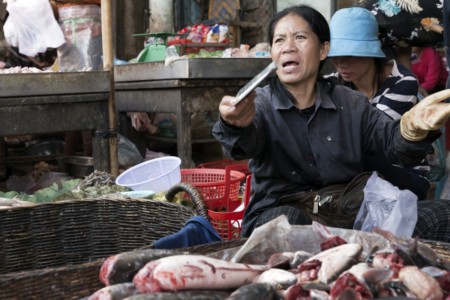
point(108, 65)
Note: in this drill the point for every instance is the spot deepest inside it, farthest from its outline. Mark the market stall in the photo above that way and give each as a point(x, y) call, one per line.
point(56, 102)
point(183, 87)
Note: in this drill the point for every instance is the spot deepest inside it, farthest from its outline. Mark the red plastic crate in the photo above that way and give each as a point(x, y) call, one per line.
point(220, 189)
point(215, 185)
point(221, 164)
point(229, 223)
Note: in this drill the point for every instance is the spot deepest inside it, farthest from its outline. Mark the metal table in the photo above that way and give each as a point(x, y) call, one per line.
point(183, 87)
point(37, 103)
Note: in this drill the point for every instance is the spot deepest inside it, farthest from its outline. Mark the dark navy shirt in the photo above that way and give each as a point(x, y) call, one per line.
point(292, 152)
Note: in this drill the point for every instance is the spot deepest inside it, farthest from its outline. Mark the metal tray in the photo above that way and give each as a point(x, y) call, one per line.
point(191, 68)
point(57, 83)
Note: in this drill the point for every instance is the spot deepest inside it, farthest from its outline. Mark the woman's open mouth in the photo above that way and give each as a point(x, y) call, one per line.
point(289, 65)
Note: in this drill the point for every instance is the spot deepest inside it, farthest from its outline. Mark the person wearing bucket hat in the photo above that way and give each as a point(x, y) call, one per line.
point(361, 65)
point(302, 132)
point(357, 55)
point(354, 32)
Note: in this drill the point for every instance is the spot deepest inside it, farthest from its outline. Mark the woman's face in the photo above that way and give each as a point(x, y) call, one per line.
point(296, 50)
point(354, 69)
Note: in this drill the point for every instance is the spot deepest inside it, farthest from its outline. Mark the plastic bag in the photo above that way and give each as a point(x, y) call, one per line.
point(128, 153)
point(31, 26)
point(82, 28)
point(387, 207)
point(278, 236)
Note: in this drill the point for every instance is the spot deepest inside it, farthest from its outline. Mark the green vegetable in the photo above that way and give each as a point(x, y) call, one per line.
point(55, 192)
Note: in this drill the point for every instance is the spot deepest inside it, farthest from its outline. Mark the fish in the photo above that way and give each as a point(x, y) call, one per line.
point(114, 292)
point(389, 260)
point(336, 260)
point(444, 282)
point(434, 272)
point(308, 271)
point(359, 270)
point(260, 291)
point(312, 290)
point(421, 284)
point(299, 257)
point(395, 288)
point(191, 295)
point(366, 273)
point(319, 295)
point(281, 260)
point(278, 278)
point(316, 286)
point(329, 240)
point(296, 292)
point(414, 251)
point(347, 286)
point(347, 294)
point(372, 278)
point(190, 272)
point(122, 267)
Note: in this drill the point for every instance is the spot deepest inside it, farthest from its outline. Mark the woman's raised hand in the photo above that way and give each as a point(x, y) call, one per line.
point(240, 115)
point(431, 113)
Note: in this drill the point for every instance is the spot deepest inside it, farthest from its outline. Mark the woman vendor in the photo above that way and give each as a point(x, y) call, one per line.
point(302, 132)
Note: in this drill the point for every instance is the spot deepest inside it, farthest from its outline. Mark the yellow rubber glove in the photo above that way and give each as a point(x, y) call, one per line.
point(429, 114)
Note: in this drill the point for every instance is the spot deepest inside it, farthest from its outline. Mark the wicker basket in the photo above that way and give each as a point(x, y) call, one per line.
point(78, 231)
point(55, 250)
point(73, 281)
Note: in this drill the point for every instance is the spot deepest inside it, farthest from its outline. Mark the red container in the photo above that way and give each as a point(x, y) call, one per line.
point(220, 189)
point(221, 164)
point(217, 186)
point(229, 223)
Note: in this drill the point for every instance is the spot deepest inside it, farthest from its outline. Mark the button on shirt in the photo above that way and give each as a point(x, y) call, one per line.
point(291, 152)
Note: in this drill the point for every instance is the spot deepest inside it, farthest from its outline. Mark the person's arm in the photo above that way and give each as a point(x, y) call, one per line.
point(237, 130)
point(433, 61)
point(428, 116)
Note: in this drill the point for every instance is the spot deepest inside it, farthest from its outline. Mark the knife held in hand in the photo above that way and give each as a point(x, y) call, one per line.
point(252, 84)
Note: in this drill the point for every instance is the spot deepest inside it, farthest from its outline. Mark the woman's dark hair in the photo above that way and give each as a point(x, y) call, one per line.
point(315, 19)
point(319, 26)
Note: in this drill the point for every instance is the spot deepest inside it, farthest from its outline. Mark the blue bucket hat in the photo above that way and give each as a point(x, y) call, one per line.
point(354, 32)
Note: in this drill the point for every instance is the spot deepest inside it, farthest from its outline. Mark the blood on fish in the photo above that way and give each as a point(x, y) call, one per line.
point(389, 260)
point(309, 271)
point(349, 281)
point(332, 242)
point(444, 282)
point(296, 292)
point(310, 265)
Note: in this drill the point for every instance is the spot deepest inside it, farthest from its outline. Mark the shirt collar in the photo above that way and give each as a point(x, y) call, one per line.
point(323, 98)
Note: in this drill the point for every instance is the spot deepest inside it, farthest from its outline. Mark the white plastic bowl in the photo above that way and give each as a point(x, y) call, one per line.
point(157, 175)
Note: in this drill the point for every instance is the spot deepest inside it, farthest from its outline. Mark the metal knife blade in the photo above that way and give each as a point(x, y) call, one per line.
point(252, 84)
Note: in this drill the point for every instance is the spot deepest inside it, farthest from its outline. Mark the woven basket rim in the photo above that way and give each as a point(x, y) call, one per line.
point(73, 231)
point(112, 197)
